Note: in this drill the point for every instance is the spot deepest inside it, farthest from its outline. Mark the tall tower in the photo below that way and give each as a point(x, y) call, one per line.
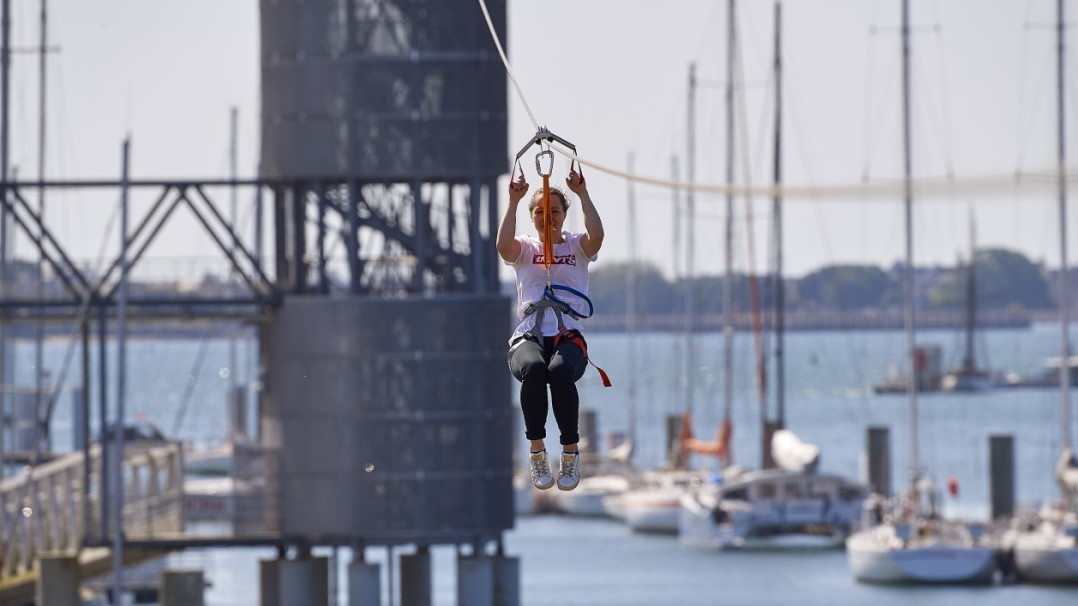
point(383, 134)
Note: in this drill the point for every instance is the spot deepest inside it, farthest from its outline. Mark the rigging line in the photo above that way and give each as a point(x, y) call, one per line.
point(759, 352)
point(192, 382)
point(505, 62)
point(944, 123)
point(1034, 89)
point(1022, 89)
point(870, 69)
point(888, 80)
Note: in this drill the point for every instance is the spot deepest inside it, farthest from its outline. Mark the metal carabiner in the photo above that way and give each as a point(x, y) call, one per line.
point(538, 162)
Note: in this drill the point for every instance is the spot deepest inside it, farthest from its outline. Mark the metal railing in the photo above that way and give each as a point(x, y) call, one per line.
point(55, 509)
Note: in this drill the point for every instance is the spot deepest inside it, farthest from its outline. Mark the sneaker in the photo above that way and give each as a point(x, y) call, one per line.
point(570, 471)
point(540, 467)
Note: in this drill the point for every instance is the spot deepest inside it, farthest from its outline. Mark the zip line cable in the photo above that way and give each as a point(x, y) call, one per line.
point(988, 184)
point(505, 62)
point(985, 185)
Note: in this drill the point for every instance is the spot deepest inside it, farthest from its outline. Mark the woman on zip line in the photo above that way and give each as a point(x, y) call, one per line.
point(547, 348)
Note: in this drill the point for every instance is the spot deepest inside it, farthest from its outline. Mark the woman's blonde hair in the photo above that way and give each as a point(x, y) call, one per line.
point(555, 192)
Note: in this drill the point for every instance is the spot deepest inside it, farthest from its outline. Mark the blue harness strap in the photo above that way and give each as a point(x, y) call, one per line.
point(551, 301)
point(548, 293)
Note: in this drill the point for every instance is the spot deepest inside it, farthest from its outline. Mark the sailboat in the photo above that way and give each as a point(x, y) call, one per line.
point(787, 503)
point(1045, 549)
point(912, 544)
point(968, 376)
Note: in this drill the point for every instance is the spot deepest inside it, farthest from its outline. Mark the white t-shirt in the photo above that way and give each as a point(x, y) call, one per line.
point(570, 268)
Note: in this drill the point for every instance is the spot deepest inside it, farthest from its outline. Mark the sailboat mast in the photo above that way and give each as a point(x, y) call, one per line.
point(969, 363)
point(630, 307)
point(728, 295)
point(908, 282)
point(7, 358)
point(776, 206)
point(690, 245)
point(39, 326)
point(1061, 175)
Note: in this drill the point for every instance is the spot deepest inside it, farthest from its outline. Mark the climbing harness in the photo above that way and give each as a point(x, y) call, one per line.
point(572, 335)
point(550, 300)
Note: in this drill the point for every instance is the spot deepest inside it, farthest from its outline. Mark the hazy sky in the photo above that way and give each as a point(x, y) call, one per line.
point(611, 76)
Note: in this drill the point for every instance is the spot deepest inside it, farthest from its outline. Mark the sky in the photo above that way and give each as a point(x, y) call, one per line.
point(611, 76)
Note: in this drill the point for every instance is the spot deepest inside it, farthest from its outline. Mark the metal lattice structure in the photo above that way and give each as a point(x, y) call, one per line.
point(383, 137)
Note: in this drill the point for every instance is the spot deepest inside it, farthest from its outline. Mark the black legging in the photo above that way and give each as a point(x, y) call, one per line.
point(536, 367)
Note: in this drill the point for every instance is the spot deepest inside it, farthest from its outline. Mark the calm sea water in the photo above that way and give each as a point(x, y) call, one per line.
point(597, 562)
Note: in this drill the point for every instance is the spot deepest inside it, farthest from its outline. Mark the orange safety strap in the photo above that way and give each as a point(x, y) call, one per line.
point(548, 226)
point(577, 340)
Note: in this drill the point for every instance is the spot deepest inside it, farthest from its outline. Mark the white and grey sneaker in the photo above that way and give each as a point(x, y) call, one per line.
point(569, 476)
point(540, 468)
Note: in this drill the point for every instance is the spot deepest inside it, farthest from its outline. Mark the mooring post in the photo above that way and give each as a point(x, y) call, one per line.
point(475, 580)
point(506, 571)
point(182, 588)
point(879, 460)
point(58, 581)
point(304, 581)
point(415, 571)
point(1001, 475)
point(364, 581)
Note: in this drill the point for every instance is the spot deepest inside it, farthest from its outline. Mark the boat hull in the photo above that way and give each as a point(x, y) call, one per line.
point(587, 499)
point(1041, 557)
point(872, 561)
point(651, 513)
point(1047, 565)
point(697, 527)
point(771, 509)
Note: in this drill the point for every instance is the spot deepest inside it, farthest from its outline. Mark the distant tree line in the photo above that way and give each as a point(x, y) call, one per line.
point(1002, 279)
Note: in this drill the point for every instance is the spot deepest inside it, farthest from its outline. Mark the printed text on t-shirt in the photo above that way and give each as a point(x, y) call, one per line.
point(570, 259)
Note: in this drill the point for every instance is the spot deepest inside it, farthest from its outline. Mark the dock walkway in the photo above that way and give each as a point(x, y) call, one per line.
point(52, 510)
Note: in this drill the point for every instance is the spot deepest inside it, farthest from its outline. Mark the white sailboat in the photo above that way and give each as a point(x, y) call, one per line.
point(787, 507)
point(586, 500)
point(1045, 549)
point(787, 503)
point(912, 544)
point(654, 505)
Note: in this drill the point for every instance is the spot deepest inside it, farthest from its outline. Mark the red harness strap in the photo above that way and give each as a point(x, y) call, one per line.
point(575, 338)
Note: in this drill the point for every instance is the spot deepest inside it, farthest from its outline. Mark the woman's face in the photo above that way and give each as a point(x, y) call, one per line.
point(557, 213)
